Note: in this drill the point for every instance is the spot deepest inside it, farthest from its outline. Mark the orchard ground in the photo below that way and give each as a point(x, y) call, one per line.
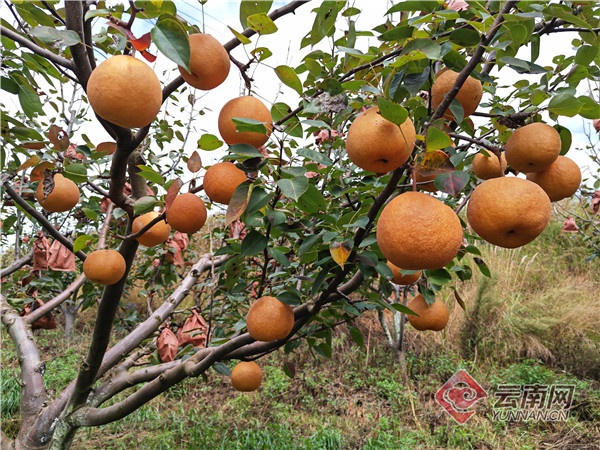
point(526, 325)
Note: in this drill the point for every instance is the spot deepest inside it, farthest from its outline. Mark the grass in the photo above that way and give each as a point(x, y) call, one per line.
point(537, 320)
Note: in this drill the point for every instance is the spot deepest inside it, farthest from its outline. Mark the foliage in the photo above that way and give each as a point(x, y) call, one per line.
point(303, 198)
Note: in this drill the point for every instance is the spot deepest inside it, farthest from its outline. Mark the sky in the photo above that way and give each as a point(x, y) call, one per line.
point(285, 45)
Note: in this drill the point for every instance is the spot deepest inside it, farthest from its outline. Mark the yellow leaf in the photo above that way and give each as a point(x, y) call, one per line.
point(35, 159)
point(37, 173)
point(340, 251)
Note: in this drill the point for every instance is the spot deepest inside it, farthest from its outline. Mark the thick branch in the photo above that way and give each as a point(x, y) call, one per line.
point(74, 20)
point(118, 171)
point(33, 392)
point(125, 380)
point(16, 265)
point(47, 54)
point(475, 59)
point(152, 323)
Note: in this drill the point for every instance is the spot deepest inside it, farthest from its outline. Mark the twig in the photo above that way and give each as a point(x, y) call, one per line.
point(144, 229)
point(243, 70)
point(494, 149)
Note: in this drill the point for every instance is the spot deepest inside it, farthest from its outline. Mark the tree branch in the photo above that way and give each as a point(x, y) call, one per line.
point(38, 313)
point(47, 54)
point(494, 149)
point(35, 214)
point(16, 265)
point(118, 171)
point(107, 310)
point(125, 380)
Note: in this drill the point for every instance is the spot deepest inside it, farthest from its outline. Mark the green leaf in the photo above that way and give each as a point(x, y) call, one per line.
point(144, 204)
point(30, 101)
point(91, 13)
point(432, 50)
point(222, 369)
point(564, 104)
point(465, 37)
point(392, 111)
point(55, 38)
point(76, 172)
point(90, 213)
point(253, 243)
point(348, 12)
point(357, 336)
point(472, 249)
point(9, 85)
point(402, 309)
point(246, 150)
point(279, 256)
point(457, 110)
point(452, 183)
point(436, 139)
point(585, 55)
point(589, 108)
point(331, 86)
point(261, 53)
point(454, 60)
point(315, 156)
point(258, 199)
point(151, 10)
point(289, 77)
point(324, 349)
point(82, 242)
point(482, 266)
point(438, 276)
point(324, 24)
point(250, 7)
point(519, 65)
point(243, 39)
point(172, 40)
point(292, 125)
point(413, 82)
point(397, 34)
point(312, 201)
point(566, 13)
point(413, 5)
point(243, 124)
point(209, 142)
point(151, 175)
point(293, 188)
point(535, 47)
point(261, 23)
point(565, 138)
